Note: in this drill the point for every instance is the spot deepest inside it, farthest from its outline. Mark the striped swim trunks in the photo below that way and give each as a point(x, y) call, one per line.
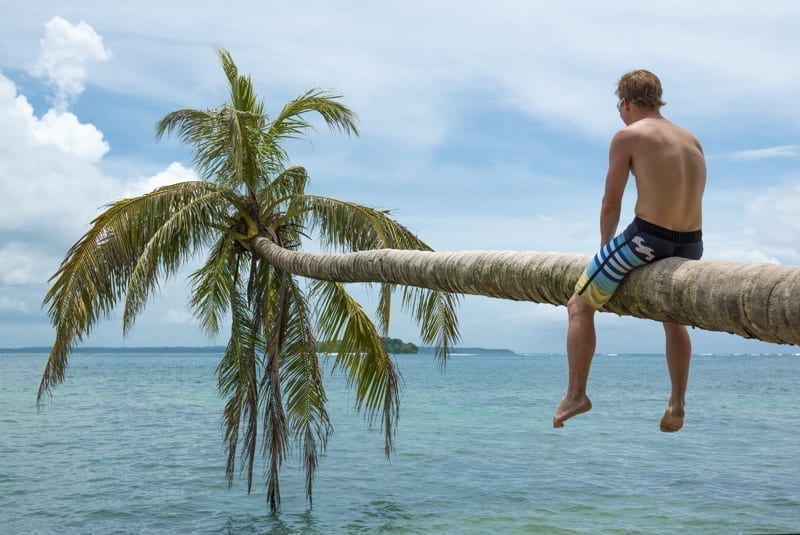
point(639, 244)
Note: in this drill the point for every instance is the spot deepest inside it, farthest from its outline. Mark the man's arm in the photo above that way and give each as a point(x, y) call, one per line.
point(619, 166)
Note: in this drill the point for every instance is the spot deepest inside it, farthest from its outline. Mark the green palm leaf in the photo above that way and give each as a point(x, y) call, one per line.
point(384, 309)
point(213, 284)
point(349, 226)
point(228, 141)
point(276, 430)
point(435, 312)
point(291, 123)
point(361, 355)
point(242, 92)
point(173, 222)
point(238, 383)
point(286, 187)
point(304, 389)
point(96, 271)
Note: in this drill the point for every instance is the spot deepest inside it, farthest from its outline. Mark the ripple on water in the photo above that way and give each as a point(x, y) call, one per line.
point(132, 445)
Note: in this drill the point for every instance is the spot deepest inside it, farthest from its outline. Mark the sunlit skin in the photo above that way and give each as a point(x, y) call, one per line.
point(669, 167)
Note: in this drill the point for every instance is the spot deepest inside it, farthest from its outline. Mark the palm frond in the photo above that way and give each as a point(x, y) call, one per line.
point(96, 270)
point(202, 130)
point(238, 383)
point(287, 186)
point(291, 122)
point(383, 313)
point(227, 141)
point(228, 65)
point(212, 285)
point(303, 386)
point(282, 206)
point(435, 312)
point(276, 430)
point(242, 92)
point(170, 223)
point(366, 364)
point(349, 226)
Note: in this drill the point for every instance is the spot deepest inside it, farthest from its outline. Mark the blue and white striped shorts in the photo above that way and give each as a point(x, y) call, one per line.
point(639, 244)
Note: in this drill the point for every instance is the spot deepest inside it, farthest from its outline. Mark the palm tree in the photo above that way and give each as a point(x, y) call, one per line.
point(250, 214)
point(270, 374)
point(759, 301)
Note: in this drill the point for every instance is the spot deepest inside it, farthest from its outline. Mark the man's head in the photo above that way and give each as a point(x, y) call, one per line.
point(640, 87)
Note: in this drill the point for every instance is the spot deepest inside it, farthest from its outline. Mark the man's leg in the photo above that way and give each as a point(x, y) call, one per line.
point(580, 350)
point(679, 355)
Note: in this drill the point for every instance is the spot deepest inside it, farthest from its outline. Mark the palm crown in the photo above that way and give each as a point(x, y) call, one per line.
point(270, 375)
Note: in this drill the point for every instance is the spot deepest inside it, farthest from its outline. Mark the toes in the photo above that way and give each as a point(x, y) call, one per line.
point(667, 427)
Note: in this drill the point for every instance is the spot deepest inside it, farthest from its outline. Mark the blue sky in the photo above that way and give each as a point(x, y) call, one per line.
point(484, 125)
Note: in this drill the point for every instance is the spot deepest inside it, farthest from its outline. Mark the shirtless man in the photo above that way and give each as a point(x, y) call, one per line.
point(670, 172)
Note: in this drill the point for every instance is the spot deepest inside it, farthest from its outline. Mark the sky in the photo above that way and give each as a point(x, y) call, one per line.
point(484, 126)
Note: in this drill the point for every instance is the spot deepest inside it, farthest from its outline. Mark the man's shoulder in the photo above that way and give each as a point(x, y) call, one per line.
point(642, 127)
point(648, 124)
point(627, 135)
point(654, 129)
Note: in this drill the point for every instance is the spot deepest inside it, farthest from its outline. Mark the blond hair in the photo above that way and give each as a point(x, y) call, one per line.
point(640, 87)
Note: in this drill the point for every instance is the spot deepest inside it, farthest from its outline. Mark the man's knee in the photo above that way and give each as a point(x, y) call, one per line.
point(675, 329)
point(577, 307)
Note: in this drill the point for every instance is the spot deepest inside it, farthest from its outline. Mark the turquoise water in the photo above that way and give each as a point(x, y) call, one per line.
point(132, 444)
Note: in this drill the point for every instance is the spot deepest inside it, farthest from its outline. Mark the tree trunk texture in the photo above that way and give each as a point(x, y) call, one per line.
point(759, 301)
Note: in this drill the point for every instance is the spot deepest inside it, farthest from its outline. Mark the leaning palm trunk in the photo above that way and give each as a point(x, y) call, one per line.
point(751, 300)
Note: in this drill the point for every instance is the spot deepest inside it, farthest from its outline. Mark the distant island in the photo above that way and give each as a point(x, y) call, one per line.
point(470, 350)
point(394, 346)
point(391, 345)
point(120, 349)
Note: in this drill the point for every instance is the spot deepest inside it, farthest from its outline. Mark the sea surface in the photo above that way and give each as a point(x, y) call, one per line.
point(132, 443)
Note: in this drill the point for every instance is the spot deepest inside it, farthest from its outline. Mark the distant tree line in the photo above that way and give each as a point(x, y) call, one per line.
point(391, 345)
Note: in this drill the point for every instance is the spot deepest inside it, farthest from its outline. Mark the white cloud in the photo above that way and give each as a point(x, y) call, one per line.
point(171, 175)
point(12, 304)
point(410, 69)
point(782, 151)
point(22, 264)
point(62, 130)
point(407, 67)
point(52, 185)
point(773, 225)
point(739, 251)
point(51, 174)
point(57, 189)
point(66, 133)
point(536, 232)
point(65, 49)
point(762, 226)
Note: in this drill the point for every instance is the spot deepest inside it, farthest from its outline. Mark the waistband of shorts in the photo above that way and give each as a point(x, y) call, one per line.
point(667, 234)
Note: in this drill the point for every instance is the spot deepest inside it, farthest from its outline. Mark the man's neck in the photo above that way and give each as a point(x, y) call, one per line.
point(645, 113)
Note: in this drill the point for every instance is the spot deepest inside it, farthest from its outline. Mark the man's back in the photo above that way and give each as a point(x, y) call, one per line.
point(670, 172)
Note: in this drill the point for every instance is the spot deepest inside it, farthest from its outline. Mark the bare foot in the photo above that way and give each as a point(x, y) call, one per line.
point(673, 418)
point(570, 407)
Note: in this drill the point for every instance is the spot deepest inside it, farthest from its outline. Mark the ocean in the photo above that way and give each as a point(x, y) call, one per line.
point(132, 443)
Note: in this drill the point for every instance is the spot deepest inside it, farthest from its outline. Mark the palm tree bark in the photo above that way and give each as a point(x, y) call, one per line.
point(759, 301)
